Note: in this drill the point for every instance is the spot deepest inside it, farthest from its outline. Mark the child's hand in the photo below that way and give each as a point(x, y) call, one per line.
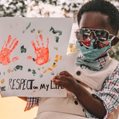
point(66, 80)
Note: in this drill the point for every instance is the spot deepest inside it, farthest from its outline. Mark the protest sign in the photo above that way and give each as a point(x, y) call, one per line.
point(32, 52)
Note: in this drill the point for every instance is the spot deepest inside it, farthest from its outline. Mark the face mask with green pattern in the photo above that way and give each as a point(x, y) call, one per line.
point(93, 43)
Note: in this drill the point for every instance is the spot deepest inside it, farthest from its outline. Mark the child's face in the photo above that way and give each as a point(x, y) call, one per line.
point(100, 23)
point(95, 20)
point(95, 35)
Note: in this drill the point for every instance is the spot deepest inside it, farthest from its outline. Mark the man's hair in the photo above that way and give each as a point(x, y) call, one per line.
point(103, 7)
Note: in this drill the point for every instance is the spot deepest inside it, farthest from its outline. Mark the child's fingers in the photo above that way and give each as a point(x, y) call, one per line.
point(57, 82)
point(56, 77)
point(65, 73)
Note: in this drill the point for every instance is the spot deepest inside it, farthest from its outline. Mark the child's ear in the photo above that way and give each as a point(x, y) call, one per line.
point(115, 41)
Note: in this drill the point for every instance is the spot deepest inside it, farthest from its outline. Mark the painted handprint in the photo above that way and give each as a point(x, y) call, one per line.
point(7, 48)
point(41, 51)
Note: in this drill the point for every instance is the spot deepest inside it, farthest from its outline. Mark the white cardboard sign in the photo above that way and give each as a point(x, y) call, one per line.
point(32, 52)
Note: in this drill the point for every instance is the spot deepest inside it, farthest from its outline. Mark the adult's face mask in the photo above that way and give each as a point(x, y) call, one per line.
point(93, 43)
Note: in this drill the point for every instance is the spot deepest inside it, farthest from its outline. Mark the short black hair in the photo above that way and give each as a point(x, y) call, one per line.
point(103, 7)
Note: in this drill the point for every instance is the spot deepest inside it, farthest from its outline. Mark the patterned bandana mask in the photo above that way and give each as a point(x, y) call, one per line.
point(93, 43)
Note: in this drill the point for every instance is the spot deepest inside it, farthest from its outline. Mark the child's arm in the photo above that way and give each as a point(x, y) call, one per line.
point(91, 103)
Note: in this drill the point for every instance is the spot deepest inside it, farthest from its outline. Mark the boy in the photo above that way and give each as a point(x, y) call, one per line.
point(98, 22)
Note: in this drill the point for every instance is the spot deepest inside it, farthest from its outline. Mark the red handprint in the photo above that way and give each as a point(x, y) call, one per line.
point(7, 49)
point(41, 52)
